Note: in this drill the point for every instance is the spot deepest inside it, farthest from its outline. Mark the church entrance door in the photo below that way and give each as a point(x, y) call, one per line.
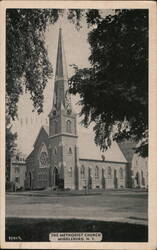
point(55, 177)
point(115, 179)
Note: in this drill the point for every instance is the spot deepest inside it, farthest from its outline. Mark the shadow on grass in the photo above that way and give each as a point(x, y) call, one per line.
point(30, 230)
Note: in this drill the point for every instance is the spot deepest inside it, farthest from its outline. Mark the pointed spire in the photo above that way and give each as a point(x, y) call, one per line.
point(61, 96)
point(61, 70)
point(62, 107)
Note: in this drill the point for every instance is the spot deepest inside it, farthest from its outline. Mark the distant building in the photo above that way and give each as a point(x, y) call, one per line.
point(17, 172)
point(137, 165)
point(139, 172)
point(64, 158)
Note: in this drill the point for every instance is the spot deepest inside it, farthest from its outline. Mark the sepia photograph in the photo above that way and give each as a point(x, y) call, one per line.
point(76, 125)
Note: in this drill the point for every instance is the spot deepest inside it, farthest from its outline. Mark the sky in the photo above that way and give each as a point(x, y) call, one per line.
point(77, 52)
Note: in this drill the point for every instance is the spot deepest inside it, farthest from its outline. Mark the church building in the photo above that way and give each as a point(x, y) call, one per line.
point(66, 159)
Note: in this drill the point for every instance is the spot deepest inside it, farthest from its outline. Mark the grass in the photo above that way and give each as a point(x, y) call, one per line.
point(38, 230)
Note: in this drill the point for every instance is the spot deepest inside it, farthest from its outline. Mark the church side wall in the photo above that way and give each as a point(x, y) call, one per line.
point(108, 175)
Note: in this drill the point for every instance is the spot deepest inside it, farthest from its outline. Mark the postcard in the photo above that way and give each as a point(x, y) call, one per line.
point(78, 125)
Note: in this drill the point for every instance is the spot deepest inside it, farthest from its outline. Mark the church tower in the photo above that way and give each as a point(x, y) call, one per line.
point(63, 149)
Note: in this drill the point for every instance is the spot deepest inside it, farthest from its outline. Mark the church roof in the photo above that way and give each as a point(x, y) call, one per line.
point(46, 128)
point(30, 155)
point(127, 147)
point(89, 151)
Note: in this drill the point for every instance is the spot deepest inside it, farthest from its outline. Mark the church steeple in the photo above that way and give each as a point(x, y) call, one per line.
point(61, 94)
point(61, 70)
point(62, 127)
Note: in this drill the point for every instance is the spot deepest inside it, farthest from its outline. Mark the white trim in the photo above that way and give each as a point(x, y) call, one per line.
point(43, 148)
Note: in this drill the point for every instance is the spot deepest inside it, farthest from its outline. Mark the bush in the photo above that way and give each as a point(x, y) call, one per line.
point(9, 186)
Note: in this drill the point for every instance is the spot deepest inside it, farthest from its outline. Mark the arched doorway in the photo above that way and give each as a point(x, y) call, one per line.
point(55, 177)
point(115, 179)
point(103, 179)
point(30, 180)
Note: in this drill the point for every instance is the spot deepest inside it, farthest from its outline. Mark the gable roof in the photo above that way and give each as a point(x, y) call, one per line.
point(45, 128)
point(30, 155)
point(127, 147)
point(89, 150)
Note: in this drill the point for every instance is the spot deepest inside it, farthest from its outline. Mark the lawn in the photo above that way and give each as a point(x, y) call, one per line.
point(118, 215)
point(30, 230)
point(117, 206)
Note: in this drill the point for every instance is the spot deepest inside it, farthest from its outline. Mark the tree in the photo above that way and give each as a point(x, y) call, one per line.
point(114, 90)
point(27, 64)
point(10, 146)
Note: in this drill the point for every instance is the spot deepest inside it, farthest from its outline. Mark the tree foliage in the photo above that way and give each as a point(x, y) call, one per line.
point(10, 146)
point(10, 143)
point(26, 56)
point(27, 64)
point(114, 90)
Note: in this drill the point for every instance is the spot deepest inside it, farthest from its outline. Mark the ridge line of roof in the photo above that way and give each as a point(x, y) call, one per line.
point(119, 162)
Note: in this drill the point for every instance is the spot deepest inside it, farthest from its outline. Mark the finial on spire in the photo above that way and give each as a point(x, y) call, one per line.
point(60, 24)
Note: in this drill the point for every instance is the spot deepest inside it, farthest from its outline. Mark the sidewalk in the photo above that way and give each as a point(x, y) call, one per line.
point(49, 192)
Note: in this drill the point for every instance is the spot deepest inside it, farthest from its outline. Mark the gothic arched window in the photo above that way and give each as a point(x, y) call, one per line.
point(96, 172)
point(103, 172)
point(43, 157)
point(82, 172)
point(109, 172)
point(56, 127)
point(70, 150)
point(70, 171)
point(55, 151)
point(68, 126)
point(121, 173)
